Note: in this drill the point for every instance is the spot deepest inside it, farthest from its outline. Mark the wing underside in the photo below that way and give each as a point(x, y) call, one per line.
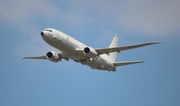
point(36, 57)
point(119, 49)
point(126, 63)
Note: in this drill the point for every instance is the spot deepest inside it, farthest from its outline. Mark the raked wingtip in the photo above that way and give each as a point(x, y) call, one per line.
point(156, 42)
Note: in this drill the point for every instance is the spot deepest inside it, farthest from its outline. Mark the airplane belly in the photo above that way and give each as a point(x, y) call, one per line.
point(65, 48)
point(99, 64)
point(68, 48)
point(91, 64)
point(95, 64)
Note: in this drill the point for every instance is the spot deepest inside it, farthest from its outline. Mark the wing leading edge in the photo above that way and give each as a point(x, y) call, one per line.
point(122, 48)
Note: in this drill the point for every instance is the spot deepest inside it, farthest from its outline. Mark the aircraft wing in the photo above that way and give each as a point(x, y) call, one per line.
point(61, 55)
point(36, 57)
point(126, 63)
point(119, 49)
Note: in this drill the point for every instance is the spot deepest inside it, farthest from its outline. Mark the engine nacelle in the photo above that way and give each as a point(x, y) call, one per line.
point(53, 56)
point(90, 52)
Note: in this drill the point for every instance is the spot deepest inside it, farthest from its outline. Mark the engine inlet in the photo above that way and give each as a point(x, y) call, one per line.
point(49, 54)
point(86, 50)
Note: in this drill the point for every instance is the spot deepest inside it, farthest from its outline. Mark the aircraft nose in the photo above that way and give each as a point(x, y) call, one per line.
point(42, 33)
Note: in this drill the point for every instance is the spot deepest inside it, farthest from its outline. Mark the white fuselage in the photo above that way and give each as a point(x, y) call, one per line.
point(70, 46)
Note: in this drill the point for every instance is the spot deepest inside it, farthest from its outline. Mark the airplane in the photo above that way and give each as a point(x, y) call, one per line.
point(100, 58)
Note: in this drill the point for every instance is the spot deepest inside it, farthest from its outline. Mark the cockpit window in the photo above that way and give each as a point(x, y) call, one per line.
point(48, 30)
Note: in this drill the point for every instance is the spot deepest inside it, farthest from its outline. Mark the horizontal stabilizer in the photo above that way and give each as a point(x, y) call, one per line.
point(126, 63)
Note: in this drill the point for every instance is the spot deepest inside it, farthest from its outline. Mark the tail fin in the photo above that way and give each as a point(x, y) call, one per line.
point(114, 43)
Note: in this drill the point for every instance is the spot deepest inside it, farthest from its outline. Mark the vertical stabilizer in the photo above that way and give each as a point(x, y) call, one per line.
point(114, 43)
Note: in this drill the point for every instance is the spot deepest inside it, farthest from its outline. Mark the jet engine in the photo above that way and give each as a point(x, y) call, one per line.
point(90, 52)
point(53, 56)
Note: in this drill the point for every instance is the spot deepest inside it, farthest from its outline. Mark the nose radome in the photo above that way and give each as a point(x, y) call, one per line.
point(42, 33)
